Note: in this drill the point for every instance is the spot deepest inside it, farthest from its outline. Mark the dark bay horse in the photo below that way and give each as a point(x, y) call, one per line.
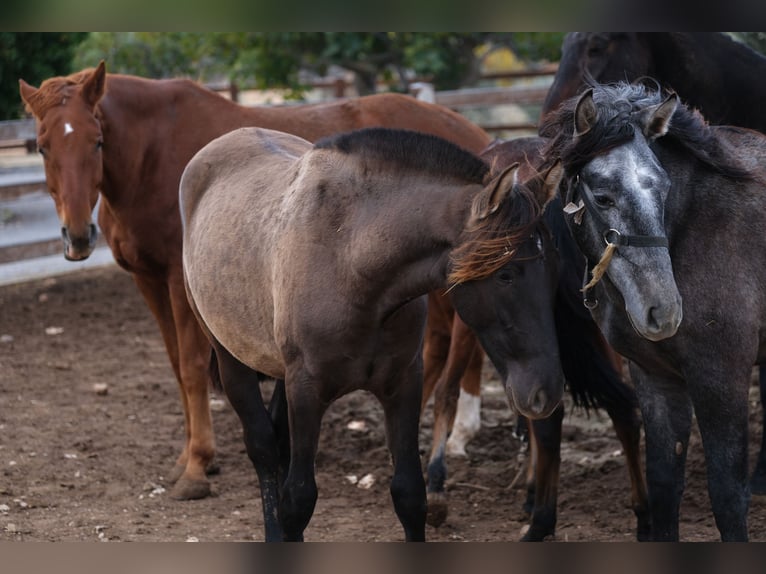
point(310, 265)
point(592, 373)
point(128, 139)
point(669, 213)
point(724, 79)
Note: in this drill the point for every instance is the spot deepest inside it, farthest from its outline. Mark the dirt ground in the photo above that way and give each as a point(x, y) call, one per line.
point(77, 465)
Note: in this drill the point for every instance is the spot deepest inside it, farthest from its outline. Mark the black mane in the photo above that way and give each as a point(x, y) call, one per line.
point(410, 150)
point(620, 107)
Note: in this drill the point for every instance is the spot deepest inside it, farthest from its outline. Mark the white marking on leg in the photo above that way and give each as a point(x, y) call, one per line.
point(467, 423)
point(68, 129)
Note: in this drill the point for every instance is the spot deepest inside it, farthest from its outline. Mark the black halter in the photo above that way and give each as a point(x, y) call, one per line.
point(611, 236)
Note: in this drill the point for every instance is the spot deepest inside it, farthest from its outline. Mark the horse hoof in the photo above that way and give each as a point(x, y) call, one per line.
point(175, 473)
point(456, 450)
point(211, 469)
point(535, 534)
point(437, 509)
point(188, 489)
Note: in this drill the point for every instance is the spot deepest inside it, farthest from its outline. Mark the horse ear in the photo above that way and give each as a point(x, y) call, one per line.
point(27, 95)
point(658, 117)
point(93, 88)
point(585, 114)
point(492, 196)
point(551, 181)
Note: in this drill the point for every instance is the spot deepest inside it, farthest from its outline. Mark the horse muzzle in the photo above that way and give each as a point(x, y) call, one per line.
point(79, 247)
point(536, 391)
point(660, 322)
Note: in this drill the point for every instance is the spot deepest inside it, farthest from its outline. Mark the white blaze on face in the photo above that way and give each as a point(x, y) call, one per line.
point(68, 129)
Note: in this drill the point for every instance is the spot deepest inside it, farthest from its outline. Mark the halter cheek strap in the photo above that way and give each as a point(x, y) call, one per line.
point(612, 237)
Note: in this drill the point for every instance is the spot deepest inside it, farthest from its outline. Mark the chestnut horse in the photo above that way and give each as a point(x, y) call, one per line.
point(309, 265)
point(128, 139)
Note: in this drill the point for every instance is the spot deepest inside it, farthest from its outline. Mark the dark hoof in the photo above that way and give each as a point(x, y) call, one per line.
point(537, 535)
point(187, 489)
point(437, 509)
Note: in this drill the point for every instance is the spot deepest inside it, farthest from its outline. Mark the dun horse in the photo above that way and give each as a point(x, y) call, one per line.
point(311, 265)
point(670, 213)
point(128, 139)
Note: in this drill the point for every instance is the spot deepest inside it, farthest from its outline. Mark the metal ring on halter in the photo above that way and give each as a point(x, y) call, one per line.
point(607, 232)
point(590, 303)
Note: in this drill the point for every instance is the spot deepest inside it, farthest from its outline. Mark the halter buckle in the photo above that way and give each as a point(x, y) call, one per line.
point(611, 231)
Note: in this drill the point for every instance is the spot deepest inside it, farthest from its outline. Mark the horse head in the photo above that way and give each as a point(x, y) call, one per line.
point(603, 57)
point(615, 200)
point(505, 284)
point(70, 140)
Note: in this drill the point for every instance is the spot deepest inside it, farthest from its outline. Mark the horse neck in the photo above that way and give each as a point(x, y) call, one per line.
point(152, 128)
point(702, 66)
point(411, 238)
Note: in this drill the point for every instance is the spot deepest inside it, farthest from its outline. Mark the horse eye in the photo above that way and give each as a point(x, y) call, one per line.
point(604, 201)
point(99, 143)
point(41, 151)
point(505, 277)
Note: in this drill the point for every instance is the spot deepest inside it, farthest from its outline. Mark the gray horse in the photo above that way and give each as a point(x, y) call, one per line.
point(309, 265)
point(669, 213)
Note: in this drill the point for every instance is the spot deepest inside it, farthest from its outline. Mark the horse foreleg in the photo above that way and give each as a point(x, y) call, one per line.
point(162, 303)
point(758, 478)
point(545, 435)
point(280, 420)
point(242, 387)
point(627, 425)
point(721, 407)
point(666, 410)
point(193, 363)
point(408, 490)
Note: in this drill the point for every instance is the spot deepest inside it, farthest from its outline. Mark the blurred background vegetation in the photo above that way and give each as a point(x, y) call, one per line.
point(267, 60)
point(285, 60)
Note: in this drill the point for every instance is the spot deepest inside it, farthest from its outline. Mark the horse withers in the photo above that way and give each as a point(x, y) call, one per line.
point(127, 139)
point(310, 264)
point(667, 211)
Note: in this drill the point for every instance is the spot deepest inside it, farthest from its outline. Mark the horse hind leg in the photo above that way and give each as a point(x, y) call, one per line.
point(468, 416)
point(461, 364)
point(242, 387)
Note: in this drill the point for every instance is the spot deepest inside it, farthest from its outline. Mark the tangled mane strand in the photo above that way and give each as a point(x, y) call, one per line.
point(495, 241)
point(411, 151)
point(54, 91)
point(619, 110)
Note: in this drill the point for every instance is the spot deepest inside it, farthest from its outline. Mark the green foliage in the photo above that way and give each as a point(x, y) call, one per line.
point(33, 57)
point(756, 40)
point(278, 59)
